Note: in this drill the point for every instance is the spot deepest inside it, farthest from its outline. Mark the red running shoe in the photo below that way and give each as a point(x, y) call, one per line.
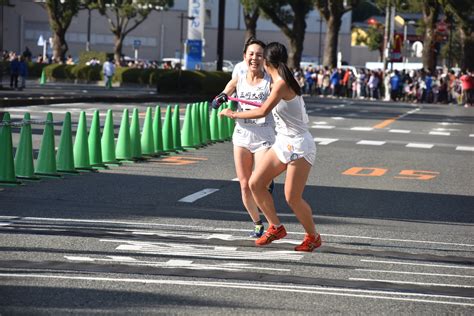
point(270, 235)
point(309, 243)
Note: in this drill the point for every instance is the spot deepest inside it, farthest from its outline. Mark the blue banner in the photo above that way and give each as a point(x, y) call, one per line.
point(193, 54)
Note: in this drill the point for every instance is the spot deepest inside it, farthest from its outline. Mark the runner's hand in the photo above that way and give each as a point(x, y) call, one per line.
point(218, 100)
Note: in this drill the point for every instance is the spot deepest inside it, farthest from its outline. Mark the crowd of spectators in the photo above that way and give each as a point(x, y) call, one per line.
point(418, 86)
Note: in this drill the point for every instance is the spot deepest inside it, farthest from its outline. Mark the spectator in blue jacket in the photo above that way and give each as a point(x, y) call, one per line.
point(334, 80)
point(395, 86)
point(14, 71)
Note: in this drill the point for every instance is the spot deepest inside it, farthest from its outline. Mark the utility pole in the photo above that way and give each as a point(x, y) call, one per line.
point(320, 38)
point(386, 37)
point(88, 43)
point(220, 35)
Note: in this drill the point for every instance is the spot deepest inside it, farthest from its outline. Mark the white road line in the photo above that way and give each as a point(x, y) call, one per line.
point(361, 128)
point(440, 133)
point(323, 126)
point(337, 118)
point(400, 131)
point(371, 142)
point(448, 123)
point(198, 195)
point(99, 221)
point(417, 273)
point(400, 240)
point(325, 141)
point(419, 264)
point(386, 295)
point(465, 148)
point(414, 283)
point(320, 123)
point(419, 145)
point(175, 263)
point(471, 135)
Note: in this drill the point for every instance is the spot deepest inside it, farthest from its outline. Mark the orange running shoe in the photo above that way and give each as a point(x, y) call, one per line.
point(270, 235)
point(309, 243)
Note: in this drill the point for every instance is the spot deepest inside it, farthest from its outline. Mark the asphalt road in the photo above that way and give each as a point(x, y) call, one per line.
point(391, 191)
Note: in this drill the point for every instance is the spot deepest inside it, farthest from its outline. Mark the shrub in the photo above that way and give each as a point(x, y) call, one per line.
point(88, 73)
point(35, 69)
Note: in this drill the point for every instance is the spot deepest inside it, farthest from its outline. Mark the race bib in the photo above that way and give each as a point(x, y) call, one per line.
point(246, 107)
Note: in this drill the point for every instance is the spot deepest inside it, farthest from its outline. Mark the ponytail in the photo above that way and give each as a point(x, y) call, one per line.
point(276, 55)
point(287, 75)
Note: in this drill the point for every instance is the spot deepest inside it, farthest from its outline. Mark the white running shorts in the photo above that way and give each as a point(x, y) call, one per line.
point(254, 139)
point(290, 148)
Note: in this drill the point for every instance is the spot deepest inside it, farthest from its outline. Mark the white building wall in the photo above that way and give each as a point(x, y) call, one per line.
point(160, 33)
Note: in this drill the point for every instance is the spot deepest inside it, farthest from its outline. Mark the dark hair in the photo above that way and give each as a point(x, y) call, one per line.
point(275, 54)
point(252, 40)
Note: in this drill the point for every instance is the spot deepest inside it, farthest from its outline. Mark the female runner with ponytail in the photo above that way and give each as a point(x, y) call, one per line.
point(294, 150)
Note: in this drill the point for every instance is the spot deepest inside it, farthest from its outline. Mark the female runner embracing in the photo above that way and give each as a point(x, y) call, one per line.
point(294, 150)
point(252, 137)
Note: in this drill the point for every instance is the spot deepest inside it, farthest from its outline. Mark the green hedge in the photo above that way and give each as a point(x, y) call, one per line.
point(166, 81)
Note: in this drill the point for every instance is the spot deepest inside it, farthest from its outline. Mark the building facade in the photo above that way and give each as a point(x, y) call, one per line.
point(159, 35)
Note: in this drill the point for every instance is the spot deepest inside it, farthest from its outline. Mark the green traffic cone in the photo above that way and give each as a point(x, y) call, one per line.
point(201, 123)
point(123, 151)
point(147, 141)
point(202, 112)
point(223, 130)
point(108, 141)
point(230, 123)
point(7, 164)
point(24, 166)
point(95, 148)
point(196, 126)
point(65, 154)
point(176, 127)
point(157, 132)
point(168, 144)
point(208, 124)
point(187, 140)
point(214, 126)
point(43, 77)
point(46, 163)
point(135, 142)
point(81, 145)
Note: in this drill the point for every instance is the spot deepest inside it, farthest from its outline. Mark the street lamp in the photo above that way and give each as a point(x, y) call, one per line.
point(182, 17)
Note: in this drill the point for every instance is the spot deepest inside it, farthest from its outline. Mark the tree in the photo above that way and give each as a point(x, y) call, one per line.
point(375, 38)
point(463, 12)
point(126, 15)
point(332, 12)
point(290, 17)
point(431, 11)
point(60, 14)
point(251, 15)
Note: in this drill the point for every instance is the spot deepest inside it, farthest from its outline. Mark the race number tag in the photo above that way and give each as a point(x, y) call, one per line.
point(246, 107)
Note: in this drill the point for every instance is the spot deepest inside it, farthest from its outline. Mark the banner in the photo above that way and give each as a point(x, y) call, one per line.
point(197, 10)
point(193, 54)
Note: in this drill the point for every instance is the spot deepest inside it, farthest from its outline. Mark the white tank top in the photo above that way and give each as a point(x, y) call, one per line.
point(257, 93)
point(290, 117)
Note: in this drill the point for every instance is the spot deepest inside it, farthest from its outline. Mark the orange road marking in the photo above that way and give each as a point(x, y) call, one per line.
point(180, 161)
point(365, 172)
point(386, 123)
point(417, 175)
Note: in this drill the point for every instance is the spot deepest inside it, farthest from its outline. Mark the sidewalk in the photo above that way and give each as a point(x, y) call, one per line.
point(51, 93)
